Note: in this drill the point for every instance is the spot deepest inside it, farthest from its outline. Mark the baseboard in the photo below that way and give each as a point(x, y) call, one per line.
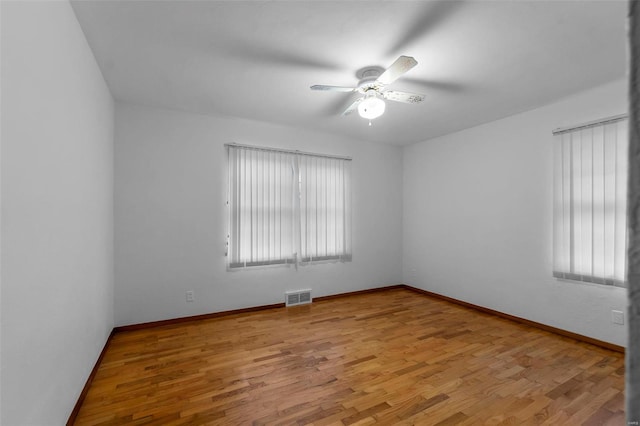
point(358, 292)
point(142, 326)
point(87, 384)
point(180, 320)
point(538, 325)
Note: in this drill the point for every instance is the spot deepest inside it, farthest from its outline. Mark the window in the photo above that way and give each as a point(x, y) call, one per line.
point(590, 202)
point(287, 207)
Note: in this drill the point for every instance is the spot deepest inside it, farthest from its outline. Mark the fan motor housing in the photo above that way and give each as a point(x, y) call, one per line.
point(367, 77)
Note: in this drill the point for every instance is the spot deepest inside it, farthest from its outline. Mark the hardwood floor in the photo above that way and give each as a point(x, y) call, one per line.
point(392, 357)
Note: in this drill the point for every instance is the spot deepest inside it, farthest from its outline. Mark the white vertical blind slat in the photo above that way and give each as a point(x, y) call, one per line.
point(622, 147)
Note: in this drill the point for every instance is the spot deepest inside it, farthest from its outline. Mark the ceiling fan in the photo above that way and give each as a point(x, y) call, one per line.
point(371, 85)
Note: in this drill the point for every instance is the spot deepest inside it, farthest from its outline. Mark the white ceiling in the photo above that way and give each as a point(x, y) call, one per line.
point(477, 60)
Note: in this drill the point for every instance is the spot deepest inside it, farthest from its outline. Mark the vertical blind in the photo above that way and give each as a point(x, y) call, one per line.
point(590, 232)
point(261, 207)
point(287, 207)
point(324, 212)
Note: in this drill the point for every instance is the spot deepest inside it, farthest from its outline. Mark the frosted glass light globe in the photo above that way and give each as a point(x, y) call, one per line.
point(371, 107)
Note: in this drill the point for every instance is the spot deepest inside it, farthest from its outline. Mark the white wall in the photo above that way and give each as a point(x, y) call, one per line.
point(170, 194)
point(57, 212)
point(478, 218)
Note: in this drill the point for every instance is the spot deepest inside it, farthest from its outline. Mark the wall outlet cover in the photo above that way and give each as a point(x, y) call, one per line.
point(617, 317)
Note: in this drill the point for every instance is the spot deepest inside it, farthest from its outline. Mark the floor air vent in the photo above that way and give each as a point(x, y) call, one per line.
point(297, 297)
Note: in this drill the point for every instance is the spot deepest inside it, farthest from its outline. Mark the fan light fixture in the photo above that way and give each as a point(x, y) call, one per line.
point(372, 85)
point(371, 106)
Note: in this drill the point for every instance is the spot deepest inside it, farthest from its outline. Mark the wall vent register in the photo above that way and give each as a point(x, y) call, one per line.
point(297, 297)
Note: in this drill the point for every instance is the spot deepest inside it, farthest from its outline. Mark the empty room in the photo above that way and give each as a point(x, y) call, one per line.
point(317, 213)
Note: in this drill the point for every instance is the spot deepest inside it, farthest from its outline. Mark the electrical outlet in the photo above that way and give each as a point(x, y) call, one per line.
point(617, 317)
point(189, 296)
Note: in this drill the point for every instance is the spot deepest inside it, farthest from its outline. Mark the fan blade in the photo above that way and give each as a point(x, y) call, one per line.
point(352, 107)
point(433, 15)
point(408, 98)
point(332, 88)
point(399, 67)
point(436, 84)
point(268, 55)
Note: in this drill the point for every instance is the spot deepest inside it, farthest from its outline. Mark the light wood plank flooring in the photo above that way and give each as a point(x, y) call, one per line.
point(391, 357)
